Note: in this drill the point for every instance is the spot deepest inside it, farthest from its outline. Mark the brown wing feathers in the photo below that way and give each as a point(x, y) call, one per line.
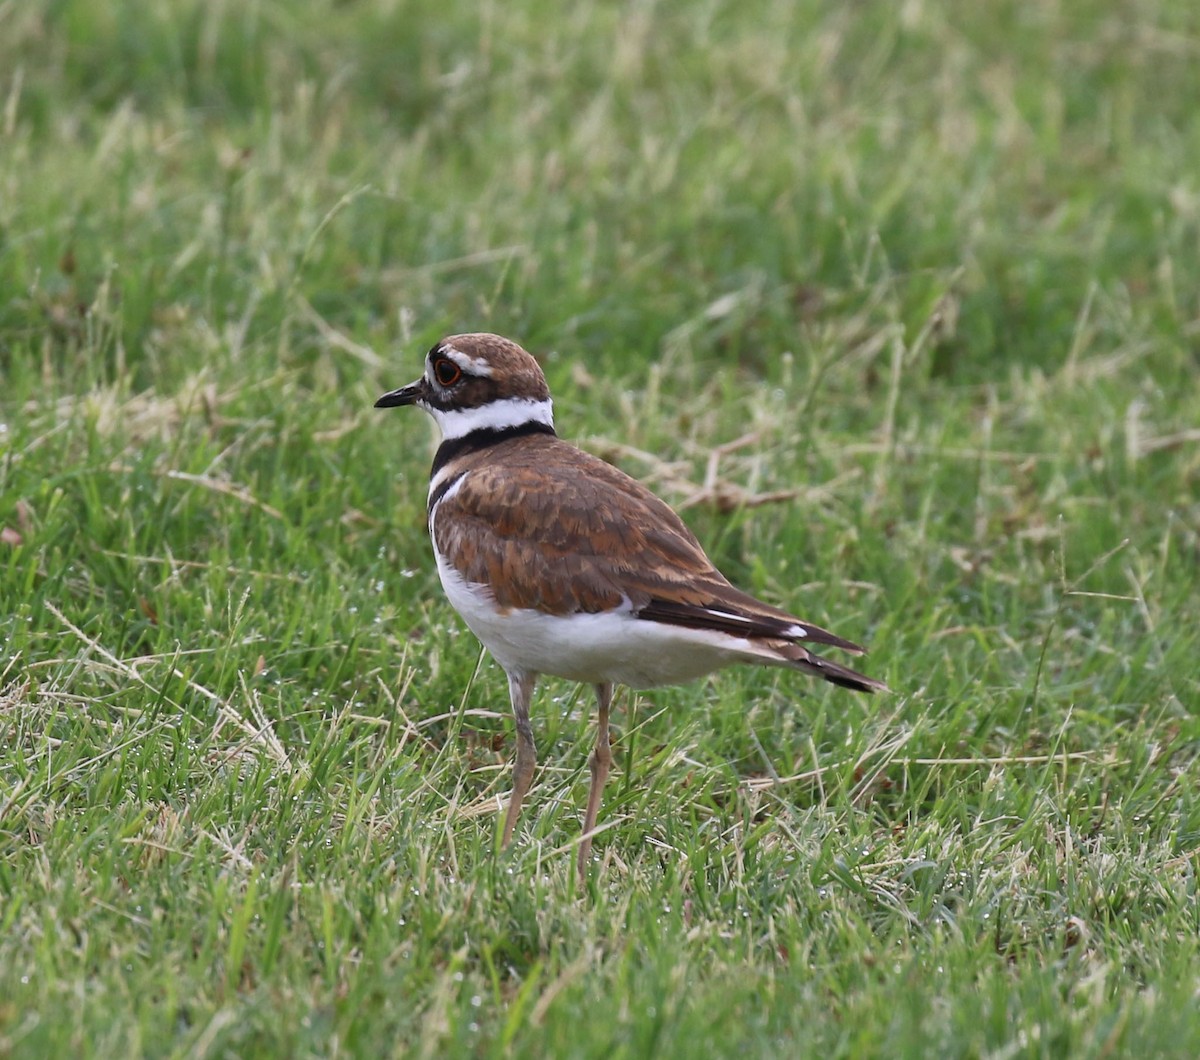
point(719, 615)
point(592, 540)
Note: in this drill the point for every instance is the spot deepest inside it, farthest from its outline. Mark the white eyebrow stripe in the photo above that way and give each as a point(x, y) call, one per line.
point(471, 365)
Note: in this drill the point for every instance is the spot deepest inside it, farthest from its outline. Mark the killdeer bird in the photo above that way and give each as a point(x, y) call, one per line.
point(561, 564)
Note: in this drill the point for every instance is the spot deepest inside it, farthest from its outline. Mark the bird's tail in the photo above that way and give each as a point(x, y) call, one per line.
point(834, 673)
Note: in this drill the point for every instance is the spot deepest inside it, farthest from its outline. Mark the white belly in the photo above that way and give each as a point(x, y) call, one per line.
point(613, 646)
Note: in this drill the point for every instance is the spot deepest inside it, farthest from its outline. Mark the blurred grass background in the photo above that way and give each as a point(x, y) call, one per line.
point(899, 303)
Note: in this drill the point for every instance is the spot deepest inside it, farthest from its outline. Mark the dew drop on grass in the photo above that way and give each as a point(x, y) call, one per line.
point(476, 1001)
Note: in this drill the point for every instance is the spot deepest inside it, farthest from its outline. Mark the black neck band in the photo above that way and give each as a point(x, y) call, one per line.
point(483, 438)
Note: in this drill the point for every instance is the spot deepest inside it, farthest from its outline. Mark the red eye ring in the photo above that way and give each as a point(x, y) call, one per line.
point(446, 372)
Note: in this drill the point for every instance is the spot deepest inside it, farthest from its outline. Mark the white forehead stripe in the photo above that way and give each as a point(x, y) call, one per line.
point(470, 365)
point(494, 416)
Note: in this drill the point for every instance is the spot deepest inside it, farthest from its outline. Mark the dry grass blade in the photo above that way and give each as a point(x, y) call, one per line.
point(262, 736)
point(228, 489)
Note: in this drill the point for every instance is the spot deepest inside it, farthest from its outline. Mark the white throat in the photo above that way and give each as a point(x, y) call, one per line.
point(494, 416)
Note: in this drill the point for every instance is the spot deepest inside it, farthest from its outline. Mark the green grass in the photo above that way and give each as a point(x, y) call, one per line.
point(936, 267)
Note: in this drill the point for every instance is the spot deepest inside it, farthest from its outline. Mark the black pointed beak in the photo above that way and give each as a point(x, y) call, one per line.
point(406, 395)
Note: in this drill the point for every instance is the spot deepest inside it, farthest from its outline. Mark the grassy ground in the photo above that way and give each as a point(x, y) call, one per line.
point(900, 301)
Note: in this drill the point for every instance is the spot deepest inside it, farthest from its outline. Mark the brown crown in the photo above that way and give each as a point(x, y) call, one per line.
point(514, 372)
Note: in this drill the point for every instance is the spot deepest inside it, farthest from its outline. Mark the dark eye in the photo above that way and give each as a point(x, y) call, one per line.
point(446, 372)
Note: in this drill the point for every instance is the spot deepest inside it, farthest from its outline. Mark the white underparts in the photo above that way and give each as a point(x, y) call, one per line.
point(494, 416)
point(608, 646)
